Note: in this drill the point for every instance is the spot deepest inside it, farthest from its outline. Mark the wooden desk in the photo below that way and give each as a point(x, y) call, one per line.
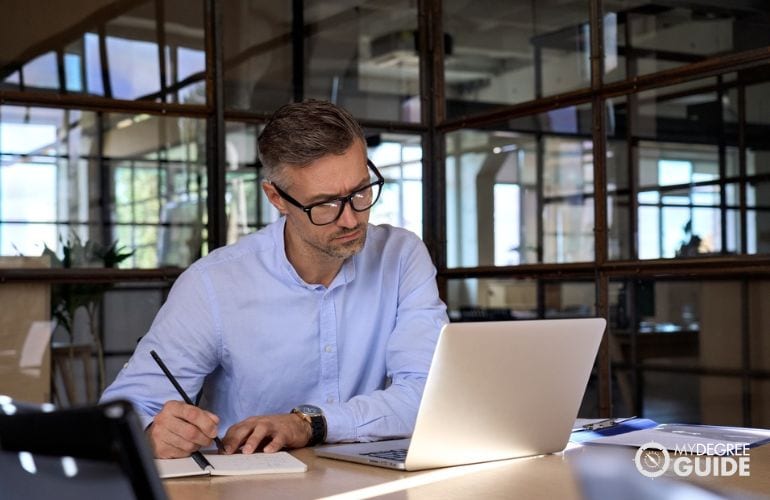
point(549, 476)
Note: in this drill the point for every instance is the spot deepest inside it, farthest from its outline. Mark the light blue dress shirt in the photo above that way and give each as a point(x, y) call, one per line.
point(263, 341)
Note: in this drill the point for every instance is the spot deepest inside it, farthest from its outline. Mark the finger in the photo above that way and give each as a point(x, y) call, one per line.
point(276, 444)
point(237, 434)
point(212, 416)
point(261, 431)
point(206, 422)
point(178, 445)
point(166, 444)
point(184, 422)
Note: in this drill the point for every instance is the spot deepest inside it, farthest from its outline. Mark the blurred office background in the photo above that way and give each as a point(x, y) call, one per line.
point(560, 158)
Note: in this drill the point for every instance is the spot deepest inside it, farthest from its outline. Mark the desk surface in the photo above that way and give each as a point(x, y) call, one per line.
point(549, 476)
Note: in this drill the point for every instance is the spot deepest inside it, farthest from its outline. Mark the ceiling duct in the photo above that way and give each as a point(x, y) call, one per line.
point(400, 47)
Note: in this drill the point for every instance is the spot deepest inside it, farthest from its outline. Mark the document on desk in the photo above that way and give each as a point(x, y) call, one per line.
point(231, 465)
point(589, 430)
point(702, 439)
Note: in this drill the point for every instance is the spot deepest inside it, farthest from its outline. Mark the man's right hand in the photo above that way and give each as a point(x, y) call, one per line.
point(181, 429)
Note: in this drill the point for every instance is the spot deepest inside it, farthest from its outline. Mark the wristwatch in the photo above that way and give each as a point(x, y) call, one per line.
point(315, 417)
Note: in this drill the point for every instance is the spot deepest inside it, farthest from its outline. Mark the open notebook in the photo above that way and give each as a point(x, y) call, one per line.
point(230, 465)
point(495, 390)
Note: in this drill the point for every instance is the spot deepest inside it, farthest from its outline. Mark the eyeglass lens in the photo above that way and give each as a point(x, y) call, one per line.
point(362, 200)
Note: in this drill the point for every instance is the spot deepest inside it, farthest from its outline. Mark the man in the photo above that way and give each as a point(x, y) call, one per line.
point(319, 312)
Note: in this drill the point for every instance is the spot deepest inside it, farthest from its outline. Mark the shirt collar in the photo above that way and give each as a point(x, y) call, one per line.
point(347, 272)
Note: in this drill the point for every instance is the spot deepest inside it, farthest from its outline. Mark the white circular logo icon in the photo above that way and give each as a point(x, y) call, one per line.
point(652, 459)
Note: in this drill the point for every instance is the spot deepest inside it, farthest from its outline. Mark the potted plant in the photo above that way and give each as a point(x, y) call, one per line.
point(68, 298)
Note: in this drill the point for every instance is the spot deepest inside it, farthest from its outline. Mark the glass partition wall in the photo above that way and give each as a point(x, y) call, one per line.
point(605, 158)
point(559, 158)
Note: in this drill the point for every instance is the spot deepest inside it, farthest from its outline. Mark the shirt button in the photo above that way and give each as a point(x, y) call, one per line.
point(330, 400)
point(328, 348)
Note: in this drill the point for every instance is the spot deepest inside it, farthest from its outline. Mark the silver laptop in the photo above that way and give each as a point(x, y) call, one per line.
point(495, 390)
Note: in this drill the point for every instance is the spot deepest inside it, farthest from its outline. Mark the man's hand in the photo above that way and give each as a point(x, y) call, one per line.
point(180, 429)
point(274, 432)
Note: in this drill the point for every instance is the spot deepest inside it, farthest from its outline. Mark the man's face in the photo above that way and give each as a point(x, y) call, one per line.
point(329, 177)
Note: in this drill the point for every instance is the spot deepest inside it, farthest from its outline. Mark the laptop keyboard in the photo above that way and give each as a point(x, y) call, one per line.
point(394, 455)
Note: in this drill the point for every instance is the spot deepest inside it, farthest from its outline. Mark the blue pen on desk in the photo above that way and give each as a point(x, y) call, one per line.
point(181, 392)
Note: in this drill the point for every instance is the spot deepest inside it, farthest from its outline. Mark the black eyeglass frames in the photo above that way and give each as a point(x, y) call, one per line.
point(327, 211)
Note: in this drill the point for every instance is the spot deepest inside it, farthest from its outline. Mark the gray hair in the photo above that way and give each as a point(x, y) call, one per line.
point(299, 133)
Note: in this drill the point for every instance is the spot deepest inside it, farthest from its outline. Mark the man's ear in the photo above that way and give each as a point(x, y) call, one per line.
point(273, 197)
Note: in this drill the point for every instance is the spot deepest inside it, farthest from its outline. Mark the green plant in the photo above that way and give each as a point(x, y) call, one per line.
point(67, 298)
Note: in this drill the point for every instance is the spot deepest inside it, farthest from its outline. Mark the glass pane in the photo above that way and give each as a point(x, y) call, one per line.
point(41, 72)
point(656, 326)
point(184, 51)
point(132, 52)
point(509, 52)
point(514, 197)
point(568, 213)
point(491, 299)
point(398, 157)
point(759, 350)
point(569, 299)
point(505, 298)
point(492, 198)
point(159, 179)
point(670, 397)
point(623, 399)
point(655, 323)
point(140, 303)
point(674, 217)
point(129, 49)
point(618, 228)
point(360, 55)
point(757, 168)
point(686, 323)
point(721, 401)
point(758, 218)
point(760, 403)
point(257, 46)
point(246, 208)
point(51, 186)
point(618, 201)
point(641, 38)
point(686, 171)
point(709, 400)
point(363, 56)
point(33, 152)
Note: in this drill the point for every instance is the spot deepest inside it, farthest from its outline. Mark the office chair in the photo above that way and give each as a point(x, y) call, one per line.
point(89, 452)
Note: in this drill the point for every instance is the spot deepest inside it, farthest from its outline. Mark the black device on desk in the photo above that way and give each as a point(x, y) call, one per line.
point(89, 452)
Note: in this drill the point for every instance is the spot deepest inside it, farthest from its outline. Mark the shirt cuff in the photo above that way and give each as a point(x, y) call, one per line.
point(340, 425)
point(146, 421)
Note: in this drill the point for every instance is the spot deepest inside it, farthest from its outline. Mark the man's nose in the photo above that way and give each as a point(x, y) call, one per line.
point(348, 217)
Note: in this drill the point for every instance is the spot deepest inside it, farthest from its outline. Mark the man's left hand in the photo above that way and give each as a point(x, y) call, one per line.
point(274, 432)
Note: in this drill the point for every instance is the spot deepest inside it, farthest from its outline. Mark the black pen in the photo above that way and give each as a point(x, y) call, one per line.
point(184, 395)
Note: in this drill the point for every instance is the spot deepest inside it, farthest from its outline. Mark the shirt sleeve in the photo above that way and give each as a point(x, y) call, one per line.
point(391, 412)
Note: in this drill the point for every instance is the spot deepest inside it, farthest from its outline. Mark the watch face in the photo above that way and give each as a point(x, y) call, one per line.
point(309, 410)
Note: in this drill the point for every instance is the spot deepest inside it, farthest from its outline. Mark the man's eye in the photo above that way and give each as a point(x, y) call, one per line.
point(330, 204)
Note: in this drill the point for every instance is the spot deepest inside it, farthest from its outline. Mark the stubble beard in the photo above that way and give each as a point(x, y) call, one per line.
point(345, 249)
